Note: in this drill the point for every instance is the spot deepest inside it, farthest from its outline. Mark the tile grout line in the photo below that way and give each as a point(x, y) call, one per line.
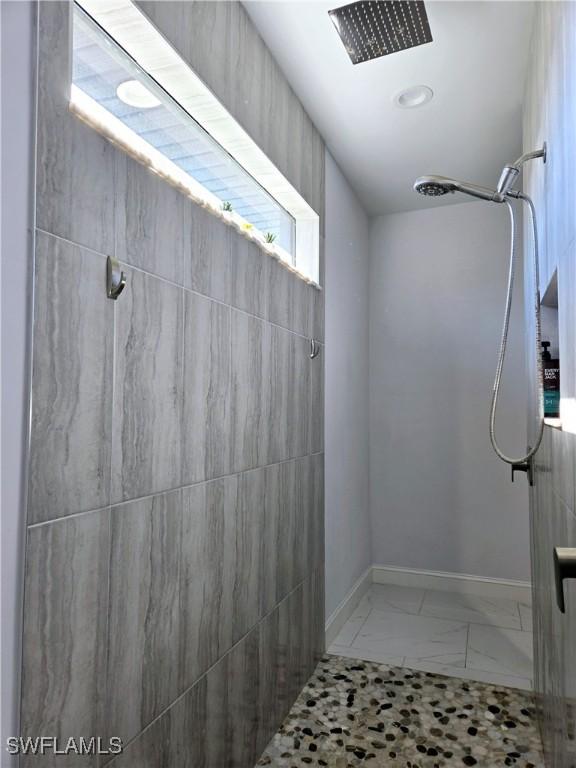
point(172, 490)
point(425, 592)
point(212, 666)
point(361, 627)
point(520, 615)
point(175, 284)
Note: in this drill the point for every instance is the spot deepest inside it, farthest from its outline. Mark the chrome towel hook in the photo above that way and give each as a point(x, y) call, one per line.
point(115, 278)
point(314, 349)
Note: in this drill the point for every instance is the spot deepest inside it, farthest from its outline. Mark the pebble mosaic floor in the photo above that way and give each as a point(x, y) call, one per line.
point(357, 713)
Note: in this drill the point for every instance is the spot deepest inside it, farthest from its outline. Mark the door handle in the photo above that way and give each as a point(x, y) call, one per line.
point(564, 568)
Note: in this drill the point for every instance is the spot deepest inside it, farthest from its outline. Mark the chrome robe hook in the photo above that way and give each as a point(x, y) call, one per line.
point(115, 278)
point(314, 349)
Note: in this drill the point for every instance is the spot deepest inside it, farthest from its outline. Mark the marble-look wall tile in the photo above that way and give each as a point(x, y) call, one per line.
point(288, 405)
point(248, 512)
point(250, 269)
point(269, 537)
point(316, 402)
point(153, 222)
point(75, 175)
point(563, 466)
point(315, 512)
point(209, 270)
point(250, 390)
point(147, 420)
point(66, 594)
point(273, 673)
point(292, 528)
point(188, 727)
point(277, 417)
point(176, 738)
point(72, 382)
point(290, 300)
point(299, 406)
point(317, 312)
point(315, 593)
point(206, 390)
point(282, 497)
point(232, 690)
point(228, 717)
point(279, 668)
point(153, 748)
point(144, 627)
point(208, 575)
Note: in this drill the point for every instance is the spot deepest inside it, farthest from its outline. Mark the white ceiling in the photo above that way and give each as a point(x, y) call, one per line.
point(475, 65)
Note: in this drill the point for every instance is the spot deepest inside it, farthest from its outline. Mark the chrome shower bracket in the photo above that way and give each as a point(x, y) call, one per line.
point(314, 349)
point(115, 278)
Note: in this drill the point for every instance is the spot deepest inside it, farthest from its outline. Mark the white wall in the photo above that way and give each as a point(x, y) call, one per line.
point(17, 35)
point(440, 499)
point(348, 552)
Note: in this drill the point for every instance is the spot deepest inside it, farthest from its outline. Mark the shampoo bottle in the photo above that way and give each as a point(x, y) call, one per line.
point(551, 376)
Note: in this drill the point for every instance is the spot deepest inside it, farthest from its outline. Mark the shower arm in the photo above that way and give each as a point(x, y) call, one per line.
point(531, 156)
point(511, 172)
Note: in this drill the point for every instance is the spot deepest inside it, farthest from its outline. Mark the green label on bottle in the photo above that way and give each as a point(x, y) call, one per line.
point(552, 404)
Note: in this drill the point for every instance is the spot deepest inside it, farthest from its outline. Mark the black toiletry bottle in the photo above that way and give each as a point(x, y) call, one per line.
point(551, 377)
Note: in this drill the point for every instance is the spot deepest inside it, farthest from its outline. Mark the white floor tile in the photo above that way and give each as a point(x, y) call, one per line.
point(355, 653)
point(526, 617)
point(349, 631)
point(508, 681)
point(392, 599)
point(501, 651)
point(363, 608)
point(414, 637)
point(471, 608)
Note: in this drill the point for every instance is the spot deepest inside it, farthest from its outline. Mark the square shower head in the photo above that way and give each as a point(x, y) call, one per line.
point(373, 28)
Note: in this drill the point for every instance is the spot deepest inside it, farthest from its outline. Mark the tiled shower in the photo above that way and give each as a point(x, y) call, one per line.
point(174, 556)
point(174, 550)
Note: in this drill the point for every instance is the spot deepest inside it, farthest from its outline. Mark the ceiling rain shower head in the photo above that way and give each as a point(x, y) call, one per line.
point(373, 28)
point(436, 186)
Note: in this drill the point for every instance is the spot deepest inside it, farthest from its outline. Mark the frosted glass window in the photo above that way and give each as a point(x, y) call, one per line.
point(109, 76)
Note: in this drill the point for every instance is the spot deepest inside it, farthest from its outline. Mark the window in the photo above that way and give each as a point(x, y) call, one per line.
point(136, 104)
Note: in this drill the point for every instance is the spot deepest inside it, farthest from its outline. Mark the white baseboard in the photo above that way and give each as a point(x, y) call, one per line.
point(340, 616)
point(464, 583)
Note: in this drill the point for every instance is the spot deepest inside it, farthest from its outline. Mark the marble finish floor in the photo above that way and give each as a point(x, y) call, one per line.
point(478, 638)
point(360, 713)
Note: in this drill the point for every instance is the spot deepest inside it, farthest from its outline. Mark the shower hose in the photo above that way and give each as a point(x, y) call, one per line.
point(504, 340)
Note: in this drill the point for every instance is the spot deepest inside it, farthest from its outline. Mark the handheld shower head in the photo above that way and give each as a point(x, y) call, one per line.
point(434, 186)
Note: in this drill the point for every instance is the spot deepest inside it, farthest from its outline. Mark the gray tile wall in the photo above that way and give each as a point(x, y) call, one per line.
point(550, 116)
point(175, 547)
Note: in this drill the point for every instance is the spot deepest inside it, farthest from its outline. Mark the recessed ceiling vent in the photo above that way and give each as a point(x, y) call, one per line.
point(373, 28)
